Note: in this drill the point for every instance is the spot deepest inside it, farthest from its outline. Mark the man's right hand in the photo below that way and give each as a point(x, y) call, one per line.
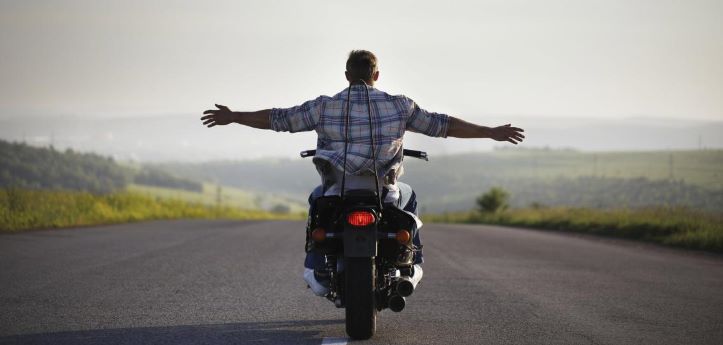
point(459, 128)
point(221, 116)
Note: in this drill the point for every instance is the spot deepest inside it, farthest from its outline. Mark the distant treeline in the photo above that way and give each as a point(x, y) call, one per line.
point(24, 166)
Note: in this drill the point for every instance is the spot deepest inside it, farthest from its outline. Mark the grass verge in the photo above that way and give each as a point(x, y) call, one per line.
point(680, 227)
point(39, 209)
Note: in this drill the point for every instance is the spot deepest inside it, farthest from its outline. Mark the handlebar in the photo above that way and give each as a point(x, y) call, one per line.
point(408, 153)
point(416, 154)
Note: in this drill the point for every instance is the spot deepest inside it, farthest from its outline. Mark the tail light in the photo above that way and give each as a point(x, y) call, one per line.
point(360, 218)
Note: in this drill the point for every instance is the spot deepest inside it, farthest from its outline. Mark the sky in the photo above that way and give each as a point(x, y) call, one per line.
point(576, 59)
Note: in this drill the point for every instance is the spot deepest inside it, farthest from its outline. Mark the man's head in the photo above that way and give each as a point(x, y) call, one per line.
point(362, 64)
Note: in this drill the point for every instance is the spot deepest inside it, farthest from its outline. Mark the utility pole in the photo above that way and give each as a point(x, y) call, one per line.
point(218, 195)
point(594, 169)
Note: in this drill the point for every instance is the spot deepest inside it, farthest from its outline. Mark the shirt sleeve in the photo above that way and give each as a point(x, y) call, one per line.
point(425, 122)
point(300, 118)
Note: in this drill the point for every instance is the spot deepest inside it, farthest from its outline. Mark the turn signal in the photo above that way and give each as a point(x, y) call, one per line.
point(318, 235)
point(360, 218)
point(403, 236)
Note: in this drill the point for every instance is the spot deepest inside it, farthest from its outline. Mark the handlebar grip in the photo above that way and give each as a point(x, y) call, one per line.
point(308, 153)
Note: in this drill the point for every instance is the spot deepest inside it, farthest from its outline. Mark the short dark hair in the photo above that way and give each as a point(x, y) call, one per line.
point(361, 64)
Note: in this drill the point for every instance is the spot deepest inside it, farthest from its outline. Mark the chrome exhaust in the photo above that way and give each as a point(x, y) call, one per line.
point(406, 285)
point(397, 303)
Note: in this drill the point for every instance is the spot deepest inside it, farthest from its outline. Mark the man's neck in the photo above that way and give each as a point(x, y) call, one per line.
point(361, 82)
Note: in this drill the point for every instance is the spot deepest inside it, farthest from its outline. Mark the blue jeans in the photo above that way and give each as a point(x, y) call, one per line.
point(407, 201)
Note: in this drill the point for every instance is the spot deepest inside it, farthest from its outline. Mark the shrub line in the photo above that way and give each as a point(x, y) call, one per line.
point(22, 209)
point(678, 227)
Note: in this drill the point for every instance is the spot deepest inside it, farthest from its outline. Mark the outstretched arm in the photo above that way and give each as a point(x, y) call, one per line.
point(224, 116)
point(463, 129)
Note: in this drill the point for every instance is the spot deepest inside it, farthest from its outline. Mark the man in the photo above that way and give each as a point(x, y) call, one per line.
point(391, 117)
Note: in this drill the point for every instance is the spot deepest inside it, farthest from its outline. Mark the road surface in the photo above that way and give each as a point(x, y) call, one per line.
point(225, 282)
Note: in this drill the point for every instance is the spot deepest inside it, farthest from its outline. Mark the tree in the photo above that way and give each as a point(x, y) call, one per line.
point(496, 199)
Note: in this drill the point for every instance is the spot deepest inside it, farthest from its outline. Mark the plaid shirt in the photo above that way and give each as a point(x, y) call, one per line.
point(391, 117)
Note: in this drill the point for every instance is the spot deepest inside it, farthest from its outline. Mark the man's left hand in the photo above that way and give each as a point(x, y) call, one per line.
point(507, 133)
point(221, 116)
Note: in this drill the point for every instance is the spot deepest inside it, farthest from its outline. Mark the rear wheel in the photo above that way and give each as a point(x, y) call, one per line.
point(359, 296)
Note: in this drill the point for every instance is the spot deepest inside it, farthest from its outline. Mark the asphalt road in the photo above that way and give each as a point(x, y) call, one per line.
point(222, 282)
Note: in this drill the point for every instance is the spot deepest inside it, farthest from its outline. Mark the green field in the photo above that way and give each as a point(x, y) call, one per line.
point(562, 178)
point(702, 167)
point(225, 196)
point(41, 209)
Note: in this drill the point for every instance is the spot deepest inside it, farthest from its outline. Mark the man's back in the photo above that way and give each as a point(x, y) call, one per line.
point(390, 115)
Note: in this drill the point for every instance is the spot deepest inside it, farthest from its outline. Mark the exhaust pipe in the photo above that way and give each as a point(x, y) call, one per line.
point(397, 303)
point(406, 285)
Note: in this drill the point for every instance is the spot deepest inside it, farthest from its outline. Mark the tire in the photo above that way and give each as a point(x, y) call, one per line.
point(359, 296)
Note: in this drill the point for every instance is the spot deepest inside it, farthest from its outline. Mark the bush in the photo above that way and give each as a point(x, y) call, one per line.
point(496, 199)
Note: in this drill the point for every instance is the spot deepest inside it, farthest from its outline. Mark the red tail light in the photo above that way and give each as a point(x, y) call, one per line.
point(360, 218)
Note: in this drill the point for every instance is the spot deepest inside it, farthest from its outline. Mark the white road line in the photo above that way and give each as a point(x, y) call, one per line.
point(334, 341)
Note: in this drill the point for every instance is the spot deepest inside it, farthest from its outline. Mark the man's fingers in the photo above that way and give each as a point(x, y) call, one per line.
point(211, 125)
point(222, 107)
point(208, 121)
point(210, 111)
point(510, 134)
point(206, 117)
point(512, 131)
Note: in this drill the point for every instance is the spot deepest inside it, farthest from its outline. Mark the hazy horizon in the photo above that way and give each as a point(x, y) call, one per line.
point(131, 78)
point(183, 138)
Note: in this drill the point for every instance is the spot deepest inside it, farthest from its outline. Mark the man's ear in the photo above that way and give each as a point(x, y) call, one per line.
point(375, 76)
point(346, 74)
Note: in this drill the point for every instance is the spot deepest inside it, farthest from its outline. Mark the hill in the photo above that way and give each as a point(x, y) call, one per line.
point(542, 176)
point(25, 166)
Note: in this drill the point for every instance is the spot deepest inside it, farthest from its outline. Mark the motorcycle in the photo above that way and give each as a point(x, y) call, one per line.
point(368, 253)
